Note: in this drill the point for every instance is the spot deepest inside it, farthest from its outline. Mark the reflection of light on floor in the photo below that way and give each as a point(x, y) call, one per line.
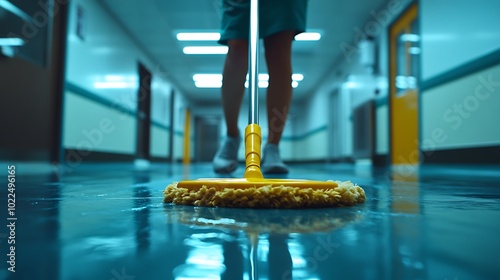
point(301, 267)
point(107, 247)
point(205, 259)
point(350, 236)
point(297, 254)
point(198, 278)
point(263, 249)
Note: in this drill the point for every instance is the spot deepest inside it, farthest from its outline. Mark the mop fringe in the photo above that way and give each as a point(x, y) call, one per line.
point(284, 197)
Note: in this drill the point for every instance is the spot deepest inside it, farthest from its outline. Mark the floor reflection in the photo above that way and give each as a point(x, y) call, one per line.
point(268, 232)
point(109, 222)
point(142, 199)
point(407, 225)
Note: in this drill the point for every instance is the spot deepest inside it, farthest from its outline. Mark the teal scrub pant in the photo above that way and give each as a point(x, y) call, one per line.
point(274, 16)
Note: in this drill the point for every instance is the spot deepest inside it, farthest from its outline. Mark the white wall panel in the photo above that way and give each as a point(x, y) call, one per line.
point(463, 113)
point(454, 32)
point(104, 130)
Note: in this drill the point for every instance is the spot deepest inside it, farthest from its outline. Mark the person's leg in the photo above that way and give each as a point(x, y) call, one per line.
point(233, 88)
point(279, 94)
point(233, 84)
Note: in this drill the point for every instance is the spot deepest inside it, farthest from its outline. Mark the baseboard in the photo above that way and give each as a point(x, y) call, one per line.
point(478, 155)
point(380, 160)
point(24, 155)
point(310, 161)
point(322, 160)
point(77, 155)
point(71, 155)
point(160, 159)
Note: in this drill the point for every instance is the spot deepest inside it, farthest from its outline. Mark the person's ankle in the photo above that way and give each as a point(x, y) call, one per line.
point(233, 134)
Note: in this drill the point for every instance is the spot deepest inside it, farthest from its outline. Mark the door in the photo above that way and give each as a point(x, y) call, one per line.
point(32, 53)
point(341, 124)
point(207, 137)
point(143, 113)
point(333, 127)
point(404, 51)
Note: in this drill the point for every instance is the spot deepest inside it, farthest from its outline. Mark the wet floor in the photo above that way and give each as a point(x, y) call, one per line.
point(107, 221)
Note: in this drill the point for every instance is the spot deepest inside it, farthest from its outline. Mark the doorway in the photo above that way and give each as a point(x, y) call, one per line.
point(404, 49)
point(340, 125)
point(207, 137)
point(143, 113)
point(333, 127)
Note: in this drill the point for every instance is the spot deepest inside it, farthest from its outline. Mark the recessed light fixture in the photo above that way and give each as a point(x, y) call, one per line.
point(205, 50)
point(198, 36)
point(308, 36)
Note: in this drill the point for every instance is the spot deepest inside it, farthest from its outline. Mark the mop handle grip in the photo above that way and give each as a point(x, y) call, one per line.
point(253, 140)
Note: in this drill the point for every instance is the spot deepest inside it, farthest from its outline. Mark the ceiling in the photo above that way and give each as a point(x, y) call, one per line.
point(155, 23)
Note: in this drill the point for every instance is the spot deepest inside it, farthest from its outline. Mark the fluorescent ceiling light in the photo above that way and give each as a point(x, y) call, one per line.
point(206, 50)
point(198, 36)
point(202, 77)
point(12, 42)
point(351, 85)
point(410, 38)
point(262, 84)
point(215, 36)
point(308, 36)
point(208, 84)
point(215, 80)
point(414, 50)
point(297, 77)
point(262, 77)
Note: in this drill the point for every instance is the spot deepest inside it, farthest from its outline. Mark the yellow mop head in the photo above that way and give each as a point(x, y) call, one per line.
point(269, 196)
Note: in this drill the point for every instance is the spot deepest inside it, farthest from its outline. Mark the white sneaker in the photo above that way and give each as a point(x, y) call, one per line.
point(271, 160)
point(226, 158)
